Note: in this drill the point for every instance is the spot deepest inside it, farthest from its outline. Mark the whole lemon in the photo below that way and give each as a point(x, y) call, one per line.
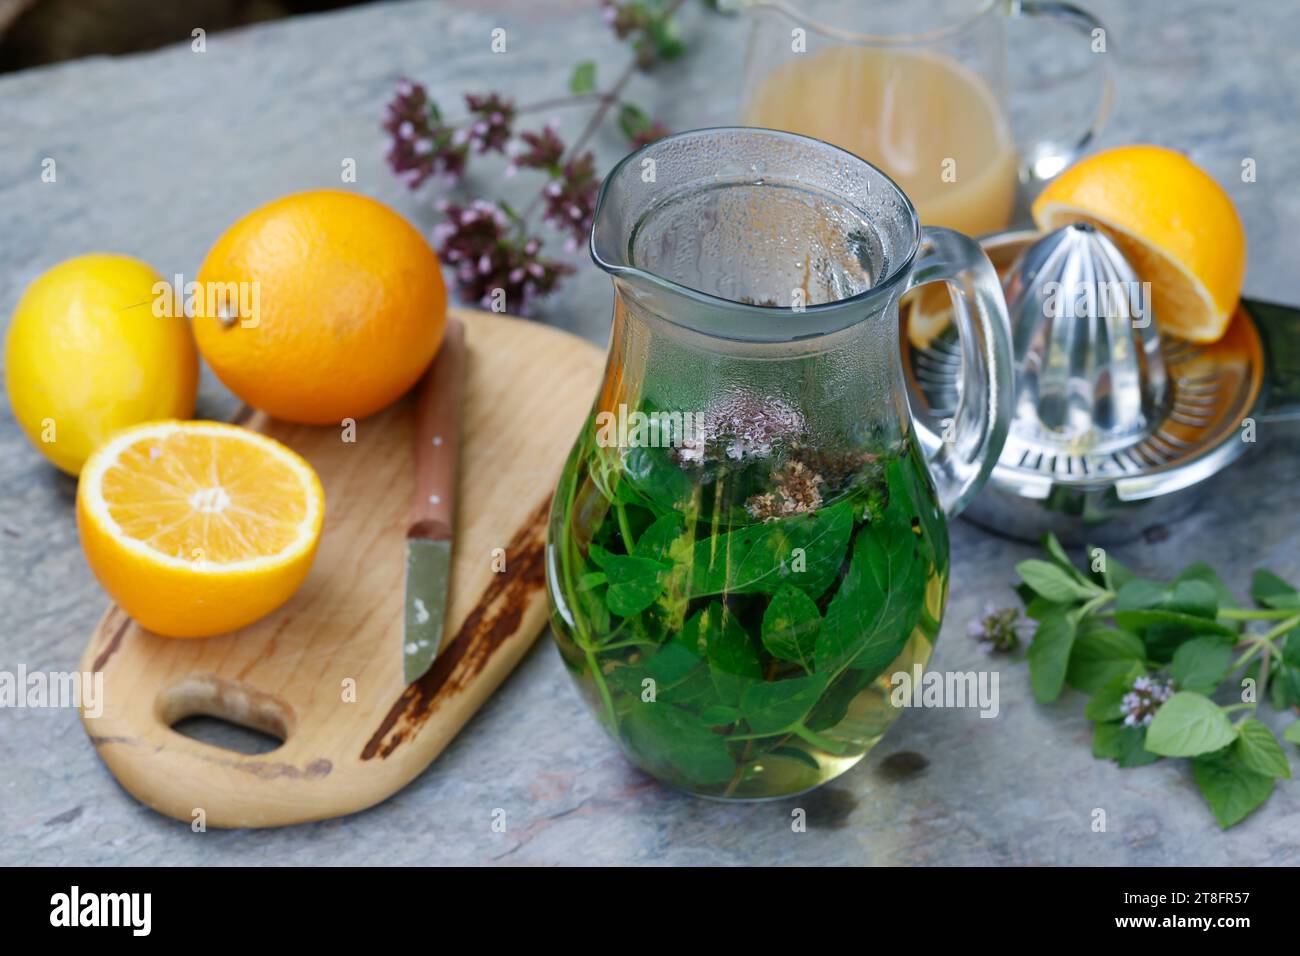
point(320, 306)
point(94, 347)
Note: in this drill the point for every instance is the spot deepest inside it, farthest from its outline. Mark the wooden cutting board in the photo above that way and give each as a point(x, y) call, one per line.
point(324, 673)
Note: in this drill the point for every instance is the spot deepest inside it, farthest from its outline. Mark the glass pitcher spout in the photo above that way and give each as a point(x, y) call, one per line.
point(753, 235)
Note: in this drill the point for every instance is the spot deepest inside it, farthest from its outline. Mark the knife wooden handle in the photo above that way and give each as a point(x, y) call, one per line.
point(437, 439)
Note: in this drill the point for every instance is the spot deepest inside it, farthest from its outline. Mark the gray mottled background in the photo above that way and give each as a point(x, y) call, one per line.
point(158, 153)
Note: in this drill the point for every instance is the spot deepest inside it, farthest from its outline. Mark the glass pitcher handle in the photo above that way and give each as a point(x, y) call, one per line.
point(963, 453)
point(1041, 160)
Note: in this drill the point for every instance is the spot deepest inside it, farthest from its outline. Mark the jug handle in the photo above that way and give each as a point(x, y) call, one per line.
point(1042, 159)
point(962, 455)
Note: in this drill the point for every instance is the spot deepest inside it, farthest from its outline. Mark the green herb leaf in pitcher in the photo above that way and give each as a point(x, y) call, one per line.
point(879, 600)
point(754, 589)
point(791, 624)
point(804, 551)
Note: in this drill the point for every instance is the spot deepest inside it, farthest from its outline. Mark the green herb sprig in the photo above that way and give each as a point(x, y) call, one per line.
point(733, 603)
point(1158, 657)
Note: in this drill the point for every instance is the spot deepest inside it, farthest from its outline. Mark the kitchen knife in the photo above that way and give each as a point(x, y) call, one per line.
point(433, 512)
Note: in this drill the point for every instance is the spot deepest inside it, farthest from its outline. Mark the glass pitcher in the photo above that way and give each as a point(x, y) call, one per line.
point(748, 539)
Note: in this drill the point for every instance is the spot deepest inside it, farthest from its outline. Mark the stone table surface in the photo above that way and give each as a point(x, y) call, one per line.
point(157, 153)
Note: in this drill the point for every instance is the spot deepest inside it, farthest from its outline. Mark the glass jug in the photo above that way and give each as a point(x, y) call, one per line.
point(748, 539)
point(922, 90)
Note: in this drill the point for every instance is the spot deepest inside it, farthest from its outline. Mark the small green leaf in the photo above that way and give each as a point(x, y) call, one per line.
point(1132, 748)
point(1113, 575)
point(591, 579)
point(1062, 560)
point(1185, 624)
point(677, 672)
point(1105, 704)
point(727, 644)
point(1105, 740)
point(1231, 788)
point(1259, 750)
point(733, 662)
point(1286, 678)
point(1271, 591)
point(1201, 664)
point(1189, 724)
point(1279, 685)
point(774, 706)
point(659, 541)
point(1053, 583)
point(881, 596)
point(719, 715)
point(653, 480)
point(791, 624)
point(672, 663)
point(1200, 571)
point(839, 696)
point(583, 79)
point(665, 36)
point(632, 120)
point(635, 583)
point(1099, 656)
point(1292, 733)
point(1121, 743)
point(1188, 598)
point(1049, 656)
point(800, 756)
point(805, 550)
point(1140, 593)
point(672, 742)
point(1040, 609)
point(923, 501)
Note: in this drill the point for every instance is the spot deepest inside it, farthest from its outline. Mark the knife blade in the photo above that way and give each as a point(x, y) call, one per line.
point(433, 510)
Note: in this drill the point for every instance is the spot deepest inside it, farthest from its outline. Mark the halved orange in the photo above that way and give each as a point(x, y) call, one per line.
point(1175, 224)
point(198, 528)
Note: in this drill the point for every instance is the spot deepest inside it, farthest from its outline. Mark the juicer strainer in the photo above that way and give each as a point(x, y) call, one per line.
point(1115, 428)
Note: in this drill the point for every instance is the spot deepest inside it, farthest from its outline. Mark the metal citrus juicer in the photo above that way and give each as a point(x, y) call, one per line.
point(1114, 427)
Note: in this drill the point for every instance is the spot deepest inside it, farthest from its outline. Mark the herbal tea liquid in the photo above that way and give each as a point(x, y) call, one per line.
point(736, 627)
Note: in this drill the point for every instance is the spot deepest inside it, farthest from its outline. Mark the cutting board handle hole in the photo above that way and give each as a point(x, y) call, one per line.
point(225, 713)
point(216, 732)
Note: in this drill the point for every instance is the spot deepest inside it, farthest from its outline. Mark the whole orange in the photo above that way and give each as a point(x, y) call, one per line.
point(320, 306)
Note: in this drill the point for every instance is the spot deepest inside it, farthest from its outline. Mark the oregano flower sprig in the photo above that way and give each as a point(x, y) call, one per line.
point(1153, 655)
point(498, 260)
point(481, 242)
point(422, 144)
